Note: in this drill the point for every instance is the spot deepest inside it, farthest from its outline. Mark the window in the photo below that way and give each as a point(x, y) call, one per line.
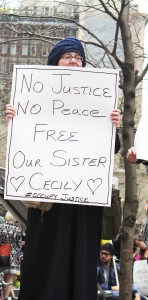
point(46, 11)
point(26, 10)
point(3, 67)
point(25, 50)
point(55, 10)
point(11, 67)
point(54, 32)
point(5, 49)
point(72, 32)
point(1, 87)
point(13, 49)
point(33, 50)
point(5, 32)
point(35, 9)
point(45, 50)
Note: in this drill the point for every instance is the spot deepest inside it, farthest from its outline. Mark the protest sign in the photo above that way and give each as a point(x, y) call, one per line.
point(141, 141)
point(61, 142)
point(140, 276)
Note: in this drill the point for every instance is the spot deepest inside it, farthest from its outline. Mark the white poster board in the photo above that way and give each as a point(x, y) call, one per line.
point(61, 142)
point(140, 276)
point(141, 140)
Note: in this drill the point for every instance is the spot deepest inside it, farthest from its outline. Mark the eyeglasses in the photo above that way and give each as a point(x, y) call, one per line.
point(69, 57)
point(104, 253)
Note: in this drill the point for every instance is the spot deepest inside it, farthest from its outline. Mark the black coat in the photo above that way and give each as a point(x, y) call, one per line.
point(61, 252)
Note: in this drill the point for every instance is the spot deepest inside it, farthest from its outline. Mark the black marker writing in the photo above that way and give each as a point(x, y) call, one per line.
point(37, 87)
point(60, 159)
point(41, 195)
point(37, 182)
point(51, 134)
point(34, 110)
point(20, 160)
point(59, 107)
point(66, 197)
point(81, 90)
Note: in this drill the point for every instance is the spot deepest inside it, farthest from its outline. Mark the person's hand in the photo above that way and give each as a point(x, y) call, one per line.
point(140, 244)
point(137, 296)
point(10, 112)
point(131, 155)
point(115, 117)
point(136, 253)
point(115, 288)
point(145, 255)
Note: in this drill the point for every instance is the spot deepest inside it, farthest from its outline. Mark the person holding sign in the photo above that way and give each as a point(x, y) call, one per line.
point(61, 249)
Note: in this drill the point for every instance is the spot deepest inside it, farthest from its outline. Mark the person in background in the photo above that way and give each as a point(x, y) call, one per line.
point(106, 277)
point(131, 157)
point(10, 232)
point(61, 247)
point(140, 250)
point(105, 270)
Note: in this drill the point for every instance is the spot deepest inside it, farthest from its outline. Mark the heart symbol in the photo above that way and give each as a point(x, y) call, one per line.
point(94, 184)
point(16, 182)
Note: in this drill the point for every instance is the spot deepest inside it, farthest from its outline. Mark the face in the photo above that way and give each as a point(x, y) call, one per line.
point(105, 256)
point(70, 60)
point(140, 244)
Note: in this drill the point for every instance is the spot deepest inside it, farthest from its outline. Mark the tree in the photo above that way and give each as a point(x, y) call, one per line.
point(130, 80)
point(119, 12)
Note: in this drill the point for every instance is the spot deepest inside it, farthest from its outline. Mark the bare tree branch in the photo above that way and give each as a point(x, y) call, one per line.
point(141, 76)
point(117, 31)
point(106, 10)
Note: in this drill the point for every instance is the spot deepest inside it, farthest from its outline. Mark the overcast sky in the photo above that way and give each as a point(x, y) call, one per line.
point(143, 4)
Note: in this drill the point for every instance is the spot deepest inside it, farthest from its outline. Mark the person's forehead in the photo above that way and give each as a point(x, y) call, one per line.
point(105, 252)
point(138, 241)
point(71, 53)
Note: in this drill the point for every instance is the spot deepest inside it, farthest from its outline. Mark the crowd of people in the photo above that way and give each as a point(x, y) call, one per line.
point(108, 266)
point(10, 234)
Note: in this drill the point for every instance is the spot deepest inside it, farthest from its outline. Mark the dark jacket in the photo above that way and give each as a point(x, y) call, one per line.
point(111, 279)
point(117, 142)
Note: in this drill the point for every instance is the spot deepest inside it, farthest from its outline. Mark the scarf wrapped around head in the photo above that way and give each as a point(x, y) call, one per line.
point(64, 46)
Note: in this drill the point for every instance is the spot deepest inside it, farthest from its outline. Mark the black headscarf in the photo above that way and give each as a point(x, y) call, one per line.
point(64, 46)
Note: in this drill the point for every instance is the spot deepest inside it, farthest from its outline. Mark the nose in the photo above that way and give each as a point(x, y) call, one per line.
point(73, 58)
